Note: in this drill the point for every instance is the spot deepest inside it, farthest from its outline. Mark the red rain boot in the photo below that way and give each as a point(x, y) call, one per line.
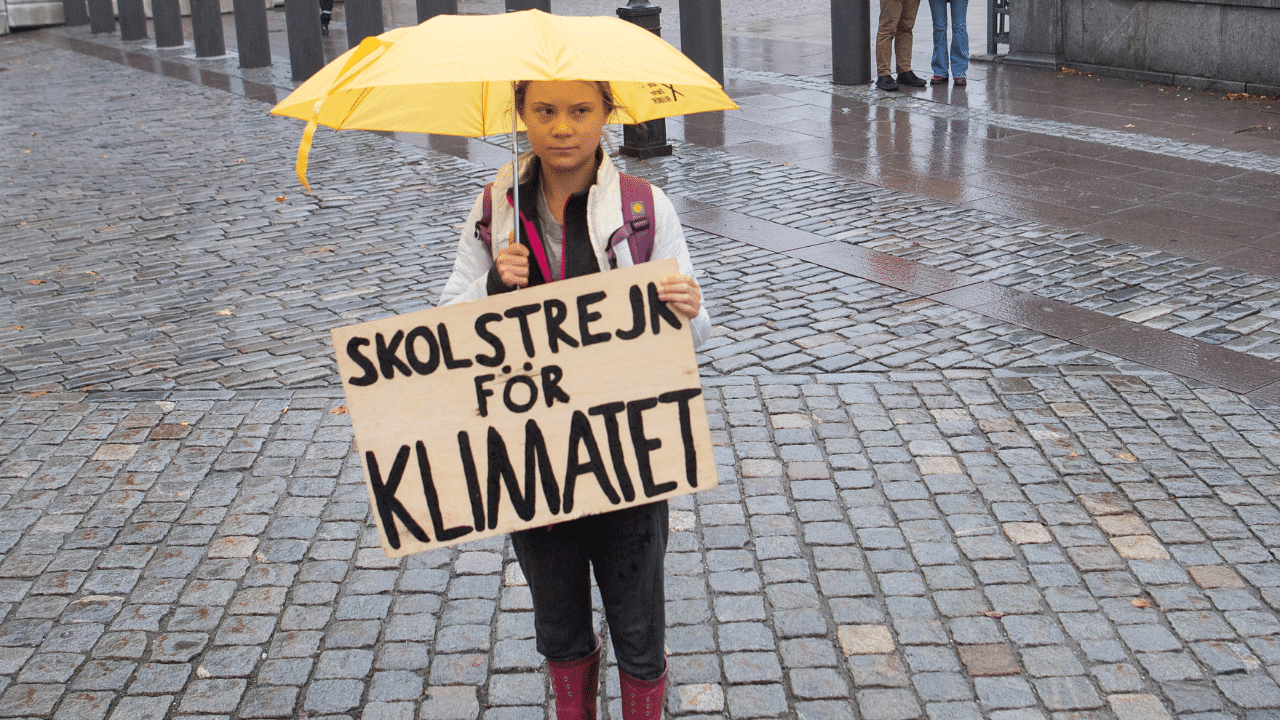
point(576, 685)
point(642, 699)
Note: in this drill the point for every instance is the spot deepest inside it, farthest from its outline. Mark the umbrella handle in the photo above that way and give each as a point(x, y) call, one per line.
point(515, 167)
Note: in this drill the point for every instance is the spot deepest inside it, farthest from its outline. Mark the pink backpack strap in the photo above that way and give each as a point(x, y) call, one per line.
point(484, 231)
point(637, 220)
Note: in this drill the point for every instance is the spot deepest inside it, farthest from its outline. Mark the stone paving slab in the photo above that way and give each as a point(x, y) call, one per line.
point(923, 512)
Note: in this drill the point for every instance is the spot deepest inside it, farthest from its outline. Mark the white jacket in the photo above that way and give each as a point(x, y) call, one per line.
point(604, 216)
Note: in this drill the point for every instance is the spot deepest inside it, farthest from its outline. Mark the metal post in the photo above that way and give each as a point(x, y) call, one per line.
point(851, 42)
point(647, 139)
point(75, 12)
point(302, 24)
point(543, 5)
point(702, 35)
point(133, 20)
point(428, 9)
point(102, 16)
point(251, 33)
point(167, 19)
point(997, 25)
point(364, 19)
point(991, 27)
point(206, 28)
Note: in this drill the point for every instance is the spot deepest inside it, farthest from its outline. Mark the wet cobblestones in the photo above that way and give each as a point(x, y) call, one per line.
point(981, 117)
point(1160, 290)
point(923, 513)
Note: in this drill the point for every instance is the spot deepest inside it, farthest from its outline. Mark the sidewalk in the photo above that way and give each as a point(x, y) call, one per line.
point(991, 386)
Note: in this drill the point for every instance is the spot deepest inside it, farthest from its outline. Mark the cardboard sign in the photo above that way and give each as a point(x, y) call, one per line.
point(524, 409)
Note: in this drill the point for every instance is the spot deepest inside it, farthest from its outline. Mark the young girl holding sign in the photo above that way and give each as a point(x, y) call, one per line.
point(572, 199)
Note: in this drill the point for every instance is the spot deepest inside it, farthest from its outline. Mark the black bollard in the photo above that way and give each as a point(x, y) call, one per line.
point(302, 24)
point(133, 20)
point(251, 33)
point(851, 42)
point(648, 139)
point(102, 16)
point(364, 19)
point(75, 12)
point(702, 35)
point(206, 28)
point(543, 5)
point(428, 9)
point(167, 19)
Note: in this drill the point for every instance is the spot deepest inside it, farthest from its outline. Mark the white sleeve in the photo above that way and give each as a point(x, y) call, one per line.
point(470, 265)
point(669, 242)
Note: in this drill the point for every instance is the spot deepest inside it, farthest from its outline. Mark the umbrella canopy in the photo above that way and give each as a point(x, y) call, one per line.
point(452, 75)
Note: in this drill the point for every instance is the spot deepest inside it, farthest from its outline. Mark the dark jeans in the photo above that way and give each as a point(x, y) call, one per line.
point(625, 548)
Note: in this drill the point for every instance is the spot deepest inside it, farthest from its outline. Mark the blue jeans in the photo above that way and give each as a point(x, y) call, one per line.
point(959, 62)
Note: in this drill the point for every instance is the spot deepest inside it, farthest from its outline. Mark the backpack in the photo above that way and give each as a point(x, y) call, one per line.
point(637, 226)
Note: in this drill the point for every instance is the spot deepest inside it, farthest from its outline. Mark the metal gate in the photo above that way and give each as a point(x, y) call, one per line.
point(997, 24)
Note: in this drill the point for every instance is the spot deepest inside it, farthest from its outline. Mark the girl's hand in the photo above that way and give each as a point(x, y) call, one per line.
point(682, 292)
point(513, 263)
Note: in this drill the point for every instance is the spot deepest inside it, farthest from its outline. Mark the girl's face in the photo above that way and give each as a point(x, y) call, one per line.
point(565, 119)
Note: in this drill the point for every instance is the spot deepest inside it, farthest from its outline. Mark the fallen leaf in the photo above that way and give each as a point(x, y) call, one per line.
point(201, 672)
point(17, 327)
point(104, 157)
point(340, 410)
point(1140, 603)
point(239, 160)
point(994, 614)
point(38, 394)
point(37, 282)
point(182, 423)
point(28, 152)
point(228, 311)
point(279, 198)
point(1130, 125)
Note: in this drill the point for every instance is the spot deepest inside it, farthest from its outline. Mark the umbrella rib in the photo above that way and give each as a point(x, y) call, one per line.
point(364, 93)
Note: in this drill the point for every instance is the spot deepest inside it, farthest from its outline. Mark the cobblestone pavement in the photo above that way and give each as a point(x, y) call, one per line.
point(923, 512)
point(1161, 290)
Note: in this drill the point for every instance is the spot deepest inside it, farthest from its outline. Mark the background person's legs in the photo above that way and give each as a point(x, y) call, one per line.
point(902, 38)
point(959, 38)
point(326, 14)
point(938, 14)
point(890, 11)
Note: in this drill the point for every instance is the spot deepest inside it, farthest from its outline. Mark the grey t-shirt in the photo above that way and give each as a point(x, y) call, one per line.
point(552, 235)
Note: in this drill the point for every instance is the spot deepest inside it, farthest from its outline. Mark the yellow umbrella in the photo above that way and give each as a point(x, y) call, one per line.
point(452, 75)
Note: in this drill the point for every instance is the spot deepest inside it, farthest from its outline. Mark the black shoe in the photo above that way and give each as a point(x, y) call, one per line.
point(324, 30)
point(885, 82)
point(910, 78)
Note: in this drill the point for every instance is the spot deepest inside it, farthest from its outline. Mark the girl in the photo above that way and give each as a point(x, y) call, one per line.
point(570, 190)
